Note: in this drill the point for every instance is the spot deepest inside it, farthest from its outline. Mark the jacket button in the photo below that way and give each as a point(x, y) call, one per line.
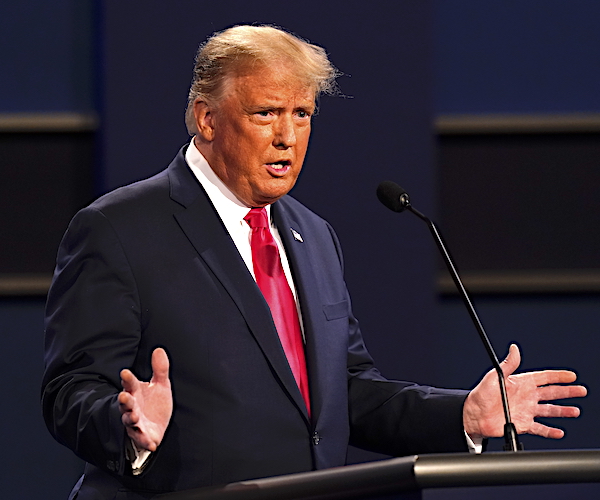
point(316, 438)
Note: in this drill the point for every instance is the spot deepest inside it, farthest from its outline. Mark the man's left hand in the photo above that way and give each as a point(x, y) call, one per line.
point(483, 415)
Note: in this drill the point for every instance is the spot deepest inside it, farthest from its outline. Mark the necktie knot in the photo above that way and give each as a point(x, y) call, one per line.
point(257, 218)
point(265, 254)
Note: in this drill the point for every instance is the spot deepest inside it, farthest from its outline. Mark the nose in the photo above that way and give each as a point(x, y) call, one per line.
point(284, 132)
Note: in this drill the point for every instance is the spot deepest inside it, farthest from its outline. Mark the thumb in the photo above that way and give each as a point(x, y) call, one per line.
point(512, 360)
point(160, 366)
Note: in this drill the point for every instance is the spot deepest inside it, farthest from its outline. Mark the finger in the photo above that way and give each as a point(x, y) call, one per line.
point(141, 441)
point(546, 377)
point(160, 366)
point(126, 401)
point(133, 433)
point(553, 392)
point(545, 431)
point(512, 360)
point(149, 445)
point(557, 411)
point(131, 419)
point(129, 381)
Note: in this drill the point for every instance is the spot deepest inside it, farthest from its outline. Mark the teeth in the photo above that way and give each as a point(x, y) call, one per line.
point(278, 165)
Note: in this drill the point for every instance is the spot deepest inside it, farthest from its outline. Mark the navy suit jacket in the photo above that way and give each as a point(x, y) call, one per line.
point(150, 265)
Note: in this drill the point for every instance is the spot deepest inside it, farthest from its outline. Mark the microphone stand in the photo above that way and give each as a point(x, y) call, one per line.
point(511, 442)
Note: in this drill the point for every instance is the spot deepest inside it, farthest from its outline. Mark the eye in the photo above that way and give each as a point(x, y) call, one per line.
point(264, 113)
point(301, 113)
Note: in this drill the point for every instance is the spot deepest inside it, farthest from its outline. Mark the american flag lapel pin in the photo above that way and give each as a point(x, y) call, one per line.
point(297, 236)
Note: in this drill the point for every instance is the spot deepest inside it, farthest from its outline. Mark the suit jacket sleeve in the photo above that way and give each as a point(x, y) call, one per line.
point(92, 333)
point(395, 417)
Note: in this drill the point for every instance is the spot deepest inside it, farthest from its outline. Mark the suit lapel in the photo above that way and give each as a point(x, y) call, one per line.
point(204, 229)
point(297, 240)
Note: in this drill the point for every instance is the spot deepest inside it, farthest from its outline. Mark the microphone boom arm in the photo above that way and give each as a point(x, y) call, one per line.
point(511, 442)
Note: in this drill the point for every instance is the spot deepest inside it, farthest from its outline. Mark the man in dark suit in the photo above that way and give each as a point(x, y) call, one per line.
point(163, 277)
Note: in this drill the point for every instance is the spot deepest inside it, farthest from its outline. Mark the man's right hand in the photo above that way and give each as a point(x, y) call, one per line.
point(146, 407)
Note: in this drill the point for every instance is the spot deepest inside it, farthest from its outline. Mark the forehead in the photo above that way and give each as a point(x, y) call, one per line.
point(269, 83)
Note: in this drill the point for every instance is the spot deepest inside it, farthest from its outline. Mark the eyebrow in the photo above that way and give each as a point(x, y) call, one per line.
point(266, 107)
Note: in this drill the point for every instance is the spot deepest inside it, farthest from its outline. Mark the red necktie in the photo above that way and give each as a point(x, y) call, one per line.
point(273, 284)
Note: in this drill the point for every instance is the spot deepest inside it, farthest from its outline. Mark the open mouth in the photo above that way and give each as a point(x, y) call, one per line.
point(279, 167)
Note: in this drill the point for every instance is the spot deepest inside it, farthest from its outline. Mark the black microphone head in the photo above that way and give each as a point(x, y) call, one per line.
point(393, 196)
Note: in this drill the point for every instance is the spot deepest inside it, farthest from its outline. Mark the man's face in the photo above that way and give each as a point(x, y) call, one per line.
point(256, 138)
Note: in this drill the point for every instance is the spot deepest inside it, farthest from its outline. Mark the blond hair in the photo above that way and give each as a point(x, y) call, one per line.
point(235, 48)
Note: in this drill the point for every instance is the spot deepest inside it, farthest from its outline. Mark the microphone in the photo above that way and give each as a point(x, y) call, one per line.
point(396, 199)
point(393, 196)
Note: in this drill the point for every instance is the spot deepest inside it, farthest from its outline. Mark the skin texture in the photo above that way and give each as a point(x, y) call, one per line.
point(255, 140)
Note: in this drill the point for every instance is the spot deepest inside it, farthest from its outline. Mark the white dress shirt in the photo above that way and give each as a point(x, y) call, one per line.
point(232, 212)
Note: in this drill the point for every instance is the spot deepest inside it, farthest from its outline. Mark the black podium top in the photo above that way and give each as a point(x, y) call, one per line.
point(412, 473)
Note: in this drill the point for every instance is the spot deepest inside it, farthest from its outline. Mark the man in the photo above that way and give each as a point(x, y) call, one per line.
point(238, 316)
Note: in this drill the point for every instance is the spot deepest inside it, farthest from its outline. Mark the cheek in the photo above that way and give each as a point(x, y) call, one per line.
point(304, 135)
point(253, 145)
point(303, 140)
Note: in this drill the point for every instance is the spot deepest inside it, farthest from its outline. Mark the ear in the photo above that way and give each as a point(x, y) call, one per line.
point(205, 120)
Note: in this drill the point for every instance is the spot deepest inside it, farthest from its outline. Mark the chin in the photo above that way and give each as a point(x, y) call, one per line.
point(272, 195)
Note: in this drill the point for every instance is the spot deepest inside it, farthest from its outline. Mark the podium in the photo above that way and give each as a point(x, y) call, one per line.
point(407, 477)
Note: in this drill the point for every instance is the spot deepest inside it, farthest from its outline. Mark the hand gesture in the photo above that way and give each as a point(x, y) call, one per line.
point(483, 415)
point(146, 407)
